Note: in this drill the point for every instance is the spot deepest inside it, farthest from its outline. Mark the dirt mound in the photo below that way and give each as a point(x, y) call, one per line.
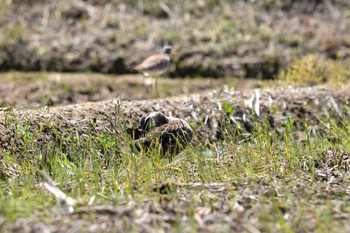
point(210, 38)
point(209, 113)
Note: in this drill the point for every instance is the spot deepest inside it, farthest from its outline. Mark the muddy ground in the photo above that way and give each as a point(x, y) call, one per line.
point(33, 90)
point(216, 38)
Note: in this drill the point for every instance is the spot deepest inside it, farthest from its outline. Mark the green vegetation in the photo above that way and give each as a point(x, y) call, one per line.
point(293, 179)
point(314, 70)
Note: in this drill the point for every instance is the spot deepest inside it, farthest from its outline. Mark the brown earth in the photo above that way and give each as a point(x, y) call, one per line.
point(214, 38)
point(33, 90)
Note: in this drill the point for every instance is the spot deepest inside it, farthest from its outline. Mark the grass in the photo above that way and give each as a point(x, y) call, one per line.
point(314, 69)
point(271, 181)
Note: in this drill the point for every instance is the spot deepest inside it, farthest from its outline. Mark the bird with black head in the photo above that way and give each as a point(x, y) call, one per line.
point(168, 135)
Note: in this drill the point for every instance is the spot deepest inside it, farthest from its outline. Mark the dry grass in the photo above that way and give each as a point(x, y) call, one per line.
point(210, 38)
point(315, 70)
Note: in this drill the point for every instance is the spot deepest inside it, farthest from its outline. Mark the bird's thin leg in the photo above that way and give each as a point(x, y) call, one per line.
point(152, 88)
point(148, 85)
point(156, 87)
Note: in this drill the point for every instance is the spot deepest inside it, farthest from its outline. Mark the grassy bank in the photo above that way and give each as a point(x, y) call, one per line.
point(267, 183)
point(270, 173)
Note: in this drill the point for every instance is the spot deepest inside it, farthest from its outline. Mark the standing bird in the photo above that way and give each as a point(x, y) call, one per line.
point(168, 134)
point(155, 65)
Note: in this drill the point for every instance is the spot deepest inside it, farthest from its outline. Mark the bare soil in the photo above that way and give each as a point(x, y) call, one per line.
point(210, 38)
point(33, 90)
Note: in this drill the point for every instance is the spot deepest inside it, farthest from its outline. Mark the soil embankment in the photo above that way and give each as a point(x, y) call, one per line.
point(210, 38)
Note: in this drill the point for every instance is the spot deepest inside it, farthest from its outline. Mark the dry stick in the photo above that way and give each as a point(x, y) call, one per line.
point(64, 199)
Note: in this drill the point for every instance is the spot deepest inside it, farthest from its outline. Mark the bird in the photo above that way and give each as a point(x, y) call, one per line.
point(168, 135)
point(155, 65)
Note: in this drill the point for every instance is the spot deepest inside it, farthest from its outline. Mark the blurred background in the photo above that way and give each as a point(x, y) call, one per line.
point(305, 42)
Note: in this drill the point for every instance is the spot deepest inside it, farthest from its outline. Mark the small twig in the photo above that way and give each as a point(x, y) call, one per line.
point(64, 199)
point(257, 102)
point(335, 105)
point(167, 10)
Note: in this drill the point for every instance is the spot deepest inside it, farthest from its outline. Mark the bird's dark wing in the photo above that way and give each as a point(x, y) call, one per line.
point(172, 137)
